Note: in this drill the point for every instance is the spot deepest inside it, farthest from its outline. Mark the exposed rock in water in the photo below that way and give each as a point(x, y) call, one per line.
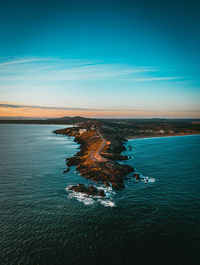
point(137, 176)
point(72, 161)
point(91, 190)
point(66, 170)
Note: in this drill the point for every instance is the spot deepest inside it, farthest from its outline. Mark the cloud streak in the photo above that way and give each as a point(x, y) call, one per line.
point(82, 84)
point(148, 79)
point(19, 61)
point(33, 111)
point(48, 70)
point(10, 105)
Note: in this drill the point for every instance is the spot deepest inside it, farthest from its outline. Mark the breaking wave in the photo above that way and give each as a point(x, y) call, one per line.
point(147, 179)
point(87, 200)
point(106, 201)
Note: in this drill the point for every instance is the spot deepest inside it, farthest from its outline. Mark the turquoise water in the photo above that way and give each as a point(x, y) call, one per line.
point(146, 223)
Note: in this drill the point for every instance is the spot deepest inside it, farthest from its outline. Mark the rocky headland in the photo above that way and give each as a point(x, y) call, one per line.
point(99, 152)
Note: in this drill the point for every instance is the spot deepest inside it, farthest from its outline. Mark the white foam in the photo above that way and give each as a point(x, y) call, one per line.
point(148, 180)
point(88, 200)
point(108, 191)
point(68, 187)
point(107, 203)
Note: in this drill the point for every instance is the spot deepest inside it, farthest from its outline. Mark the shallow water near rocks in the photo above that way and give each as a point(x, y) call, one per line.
point(146, 223)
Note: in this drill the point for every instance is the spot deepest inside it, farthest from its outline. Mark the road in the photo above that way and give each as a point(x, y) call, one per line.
point(96, 155)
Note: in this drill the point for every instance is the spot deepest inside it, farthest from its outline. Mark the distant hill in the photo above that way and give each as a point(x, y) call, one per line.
point(136, 123)
point(62, 120)
point(68, 119)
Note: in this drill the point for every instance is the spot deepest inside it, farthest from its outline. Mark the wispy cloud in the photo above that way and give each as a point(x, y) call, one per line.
point(46, 70)
point(18, 61)
point(149, 79)
point(18, 106)
point(21, 106)
point(79, 83)
point(17, 110)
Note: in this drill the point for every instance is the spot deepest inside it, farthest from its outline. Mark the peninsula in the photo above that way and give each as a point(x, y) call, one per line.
point(102, 142)
point(98, 155)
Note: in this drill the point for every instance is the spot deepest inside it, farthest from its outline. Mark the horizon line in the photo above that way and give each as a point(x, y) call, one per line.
point(8, 109)
point(109, 118)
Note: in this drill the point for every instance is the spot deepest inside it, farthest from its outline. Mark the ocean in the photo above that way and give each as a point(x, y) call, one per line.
point(42, 222)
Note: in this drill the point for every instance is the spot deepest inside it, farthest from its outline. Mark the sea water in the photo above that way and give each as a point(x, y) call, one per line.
point(42, 222)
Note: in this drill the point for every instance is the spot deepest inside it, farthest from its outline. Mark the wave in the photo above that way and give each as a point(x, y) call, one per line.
point(81, 197)
point(107, 203)
point(147, 179)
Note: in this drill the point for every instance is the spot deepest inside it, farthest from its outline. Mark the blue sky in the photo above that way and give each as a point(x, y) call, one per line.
point(115, 55)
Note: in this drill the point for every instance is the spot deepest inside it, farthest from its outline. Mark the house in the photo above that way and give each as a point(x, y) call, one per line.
point(82, 131)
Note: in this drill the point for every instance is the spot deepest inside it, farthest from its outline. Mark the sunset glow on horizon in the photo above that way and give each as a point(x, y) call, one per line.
point(13, 110)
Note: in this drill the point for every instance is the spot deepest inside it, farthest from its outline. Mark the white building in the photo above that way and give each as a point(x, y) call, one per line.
point(82, 131)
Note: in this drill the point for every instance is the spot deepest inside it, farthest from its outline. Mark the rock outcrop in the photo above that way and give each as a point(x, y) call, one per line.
point(91, 190)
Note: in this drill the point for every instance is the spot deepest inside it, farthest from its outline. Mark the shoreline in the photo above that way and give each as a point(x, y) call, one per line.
point(158, 136)
point(101, 150)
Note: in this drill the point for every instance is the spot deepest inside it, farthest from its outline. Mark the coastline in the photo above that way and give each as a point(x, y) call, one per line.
point(134, 137)
point(101, 147)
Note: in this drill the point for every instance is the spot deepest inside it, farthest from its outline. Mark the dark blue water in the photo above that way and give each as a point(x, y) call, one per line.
point(146, 223)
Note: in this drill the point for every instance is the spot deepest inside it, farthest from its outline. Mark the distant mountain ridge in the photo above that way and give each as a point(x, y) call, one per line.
point(62, 120)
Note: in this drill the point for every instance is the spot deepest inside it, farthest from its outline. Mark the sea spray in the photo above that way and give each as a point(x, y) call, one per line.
point(107, 201)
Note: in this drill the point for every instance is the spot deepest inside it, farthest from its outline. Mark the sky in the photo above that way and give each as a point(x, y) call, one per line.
point(135, 59)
